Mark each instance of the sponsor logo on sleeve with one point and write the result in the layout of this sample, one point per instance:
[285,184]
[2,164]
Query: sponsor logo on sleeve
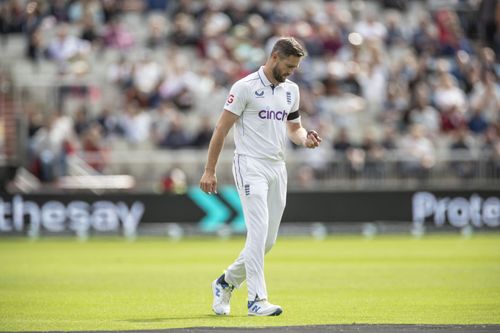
[230,99]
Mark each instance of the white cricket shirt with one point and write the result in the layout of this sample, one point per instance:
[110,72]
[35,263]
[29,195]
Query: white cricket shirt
[263,109]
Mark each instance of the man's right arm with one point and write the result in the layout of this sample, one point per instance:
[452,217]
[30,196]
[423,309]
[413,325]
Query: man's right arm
[208,182]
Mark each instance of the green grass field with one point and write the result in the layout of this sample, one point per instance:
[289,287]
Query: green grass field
[112,284]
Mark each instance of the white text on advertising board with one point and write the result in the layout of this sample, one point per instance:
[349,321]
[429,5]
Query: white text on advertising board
[457,211]
[55,216]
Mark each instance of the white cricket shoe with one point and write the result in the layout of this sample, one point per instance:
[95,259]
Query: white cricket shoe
[262,307]
[222,296]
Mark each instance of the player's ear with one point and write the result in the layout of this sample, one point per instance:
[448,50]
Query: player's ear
[275,56]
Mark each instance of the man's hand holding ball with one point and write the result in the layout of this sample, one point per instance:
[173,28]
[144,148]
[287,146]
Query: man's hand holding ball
[312,140]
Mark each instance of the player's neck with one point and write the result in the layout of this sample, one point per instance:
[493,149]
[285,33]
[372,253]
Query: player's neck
[269,75]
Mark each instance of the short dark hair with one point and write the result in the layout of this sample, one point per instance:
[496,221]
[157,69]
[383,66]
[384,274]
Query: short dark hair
[288,46]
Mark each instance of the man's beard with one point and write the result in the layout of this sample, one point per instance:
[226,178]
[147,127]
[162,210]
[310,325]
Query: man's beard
[277,75]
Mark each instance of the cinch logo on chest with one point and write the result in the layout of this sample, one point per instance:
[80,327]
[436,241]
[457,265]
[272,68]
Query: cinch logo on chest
[273,115]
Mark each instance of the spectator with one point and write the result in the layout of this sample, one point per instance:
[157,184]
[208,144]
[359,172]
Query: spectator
[490,140]
[36,48]
[33,17]
[374,156]
[396,103]
[120,73]
[35,121]
[447,94]
[487,22]
[50,146]
[177,136]
[465,71]
[110,123]
[477,122]
[373,80]
[419,153]
[156,5]
[176,86]
[330,39]
[117,36]
[394,33]
[202,138]
[184,32]
[65,46]
[425,37]
[318,160]
[452,119]
[161,119]
[371,29]
[90,10]
[111,9]
[175,181]
[89,31]
[485,97]
[146,76]
[423,113]
[389,138]
[81,120]
[487,59]
[356,158]
[157,32]
[340,106]
[136,124]
[450,34]
[342,143]
[94,148]
[59,10]
[66,49]
[462,164]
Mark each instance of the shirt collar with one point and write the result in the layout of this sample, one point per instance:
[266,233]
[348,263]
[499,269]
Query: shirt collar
[263,77]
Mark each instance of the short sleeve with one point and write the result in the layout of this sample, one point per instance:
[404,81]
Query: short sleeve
[296,103]
[294,116]
[237,99]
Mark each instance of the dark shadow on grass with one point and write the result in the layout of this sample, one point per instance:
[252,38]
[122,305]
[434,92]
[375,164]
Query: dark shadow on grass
[166,319]
[340,328]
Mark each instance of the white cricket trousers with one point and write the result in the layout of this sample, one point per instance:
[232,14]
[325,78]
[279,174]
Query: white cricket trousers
[261,186]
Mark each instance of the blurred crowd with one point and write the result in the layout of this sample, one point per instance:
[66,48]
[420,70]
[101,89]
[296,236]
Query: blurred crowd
[414,77]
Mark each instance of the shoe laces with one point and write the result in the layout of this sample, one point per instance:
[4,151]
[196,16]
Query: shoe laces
[261,302]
